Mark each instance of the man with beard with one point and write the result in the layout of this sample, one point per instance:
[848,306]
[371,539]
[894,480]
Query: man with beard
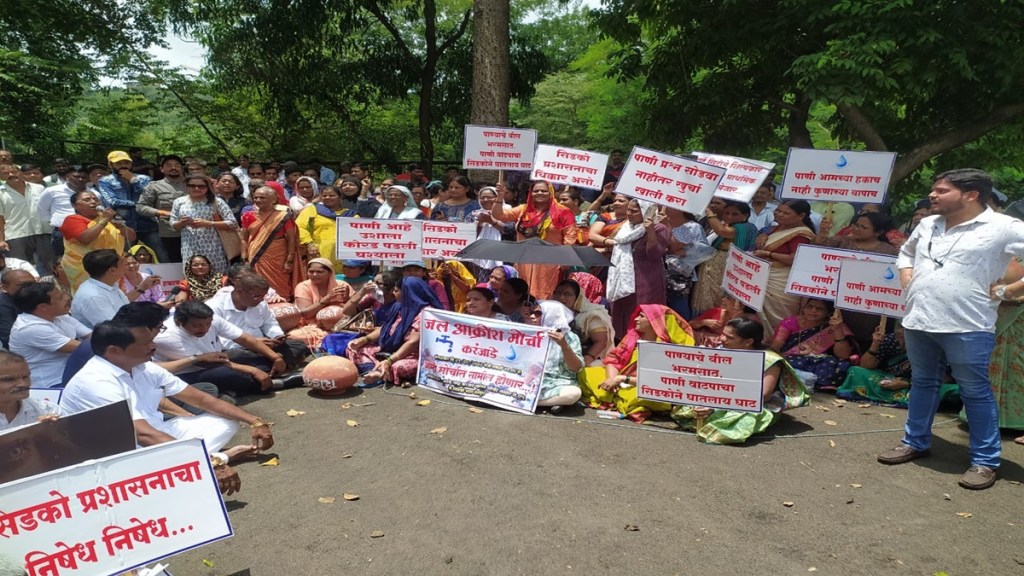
[121,190]
[155,203]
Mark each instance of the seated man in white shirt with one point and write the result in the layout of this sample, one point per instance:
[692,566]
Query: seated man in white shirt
[100,297]
[121,370]
[195,332]
[16,408]
[43,333]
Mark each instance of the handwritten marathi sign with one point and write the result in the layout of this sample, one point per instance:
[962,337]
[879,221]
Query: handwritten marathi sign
[500,363]
[569,166]
[837,175]
[490,148]
[444,240]
[746,278]
[109,516]
[872,287]
[715,378]
[384,239]
[669,180]
[815,271]
[742,176]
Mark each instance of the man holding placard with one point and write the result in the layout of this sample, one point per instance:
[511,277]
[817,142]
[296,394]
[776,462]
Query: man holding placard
[947,268]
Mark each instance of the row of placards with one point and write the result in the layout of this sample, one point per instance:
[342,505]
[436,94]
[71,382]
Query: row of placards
[400,241]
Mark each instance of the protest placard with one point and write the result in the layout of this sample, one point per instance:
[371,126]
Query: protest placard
[742,176]
[872,287]
[560,165]
[443,240]
[50,395]
[745,277]
[170,274]
[669,180]
[384,239]
[711,377]
[500,363]
[112,515]
[815,270]
[492,148]
[837,175]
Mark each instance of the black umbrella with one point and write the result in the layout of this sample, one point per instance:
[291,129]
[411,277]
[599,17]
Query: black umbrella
[533,251]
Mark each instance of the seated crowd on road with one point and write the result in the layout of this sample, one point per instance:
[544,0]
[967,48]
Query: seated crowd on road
[263,287]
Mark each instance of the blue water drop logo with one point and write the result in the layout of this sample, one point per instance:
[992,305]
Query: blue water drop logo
[511,353]
[842,161]
[889,274]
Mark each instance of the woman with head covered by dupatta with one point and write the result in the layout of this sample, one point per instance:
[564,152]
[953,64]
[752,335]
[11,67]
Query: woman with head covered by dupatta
[592,322]
[541,217]
[614,387]
[559,386]
[399,204]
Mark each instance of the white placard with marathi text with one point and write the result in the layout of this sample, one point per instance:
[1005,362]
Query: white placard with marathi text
[492,148]
[170,274]
[872,287]
[745,278]
[742,176]
[815,270]
[711,377]
[500,363]
[837,175]
[560,165]
[669,180]
[443,240]
[111,515]
[385,239]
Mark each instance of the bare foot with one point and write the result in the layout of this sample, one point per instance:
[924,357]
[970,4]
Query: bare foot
[236,452]
[1019,440]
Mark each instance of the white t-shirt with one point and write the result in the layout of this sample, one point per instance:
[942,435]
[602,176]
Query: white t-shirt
[55,204]
[256,320]
[38,340]
[175,343]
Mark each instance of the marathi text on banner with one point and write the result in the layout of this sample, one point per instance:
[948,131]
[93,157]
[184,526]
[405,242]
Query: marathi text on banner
[384,239]
[500,363]
[872,287]
[491,148]
[745,278]
[170,275]
[443,240]
[742,176]
[837,175]
[710,377]
[669,180]
[560,165]
[815,270]
[108,516]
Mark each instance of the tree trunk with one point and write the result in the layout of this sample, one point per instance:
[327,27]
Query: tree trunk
[799,134]
[491,68]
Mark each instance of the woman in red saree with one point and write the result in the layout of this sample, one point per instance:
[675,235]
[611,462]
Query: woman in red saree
[270,242]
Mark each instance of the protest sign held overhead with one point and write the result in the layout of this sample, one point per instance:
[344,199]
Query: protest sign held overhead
[560,165]
[714,378]
[837,175]
[491,148]
[745,278]
[815,270]
[742,176]
[872,287]
[669,180]
[384,239]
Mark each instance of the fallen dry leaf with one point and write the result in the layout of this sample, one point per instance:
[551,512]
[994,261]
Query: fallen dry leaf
[947,497]
[423,403]
[272,462]
[856,485]
[830,422]
[822,408]
[326,500]
[886,415]
[377,534]
[838,401]
[352,423]
[440,430]
[964,514]
[864,405]
[207,563]
[346,455]
[788,504]
[350,497]
[631,528]
[475,410]
[346,405]
[831,443]
[412,395]
[293,413]
[812,569]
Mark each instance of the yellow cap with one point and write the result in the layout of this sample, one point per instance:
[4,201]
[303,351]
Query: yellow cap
[118,156]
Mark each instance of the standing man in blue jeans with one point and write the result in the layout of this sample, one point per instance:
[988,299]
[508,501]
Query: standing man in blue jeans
[948,267]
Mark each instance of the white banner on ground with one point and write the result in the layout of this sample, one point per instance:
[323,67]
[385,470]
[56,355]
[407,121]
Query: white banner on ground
[111,515]
[170,274]
[500,363]
[669,180]
[742,176]
[872,287]
[837,175]
[746,278]
[815,270]
[383,239]
[491,148]
[714,378]
[443,240]
[560,165]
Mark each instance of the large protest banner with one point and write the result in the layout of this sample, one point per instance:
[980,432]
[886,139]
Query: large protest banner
[444,240]
[560,165]
[669,180]
[711,377]
[170,274]
[837,175]
[872,287]
[384,239]
[491,148]
[742,176]
[745,278]
[108,516]
[500,363]
[815,270]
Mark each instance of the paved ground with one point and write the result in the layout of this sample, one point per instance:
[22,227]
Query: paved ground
[500,493]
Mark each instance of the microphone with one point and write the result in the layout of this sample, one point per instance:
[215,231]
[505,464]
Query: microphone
[174,292]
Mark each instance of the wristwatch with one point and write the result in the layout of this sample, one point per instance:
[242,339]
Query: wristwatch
[1001,292]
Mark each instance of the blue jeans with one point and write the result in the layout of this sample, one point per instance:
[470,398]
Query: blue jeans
[968,355]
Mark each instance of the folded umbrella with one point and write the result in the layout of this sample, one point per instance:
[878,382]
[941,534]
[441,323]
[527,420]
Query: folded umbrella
[533,251]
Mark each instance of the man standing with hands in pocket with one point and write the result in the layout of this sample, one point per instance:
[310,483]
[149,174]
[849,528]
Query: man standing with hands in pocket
[947,268]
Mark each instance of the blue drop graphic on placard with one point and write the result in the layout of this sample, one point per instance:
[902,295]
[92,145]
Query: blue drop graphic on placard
[842,161]
[511,353]
[889,274]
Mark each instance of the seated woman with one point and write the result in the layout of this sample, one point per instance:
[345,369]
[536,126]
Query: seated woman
[512,295]
[707,328]
[884,373]
[782,390]
[456,279]
[143,254]
[313,295]
[592,324]
[139,286]
[200,283]
[498,276]
[560,385]
[614,387]
[816,341]
[391,353]
[480,303]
